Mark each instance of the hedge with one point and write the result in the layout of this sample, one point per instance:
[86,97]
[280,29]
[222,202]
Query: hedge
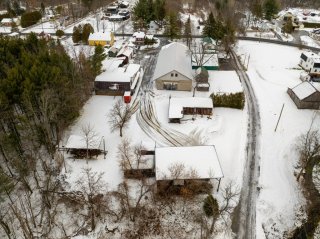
[30,18]
[232,100]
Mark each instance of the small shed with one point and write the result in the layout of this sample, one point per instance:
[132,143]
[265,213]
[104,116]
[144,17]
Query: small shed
[178,107]
[79,146]
[306,95]
[126,52]
[178,166]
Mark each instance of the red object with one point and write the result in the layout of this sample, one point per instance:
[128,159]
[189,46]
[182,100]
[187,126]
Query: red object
[127,97]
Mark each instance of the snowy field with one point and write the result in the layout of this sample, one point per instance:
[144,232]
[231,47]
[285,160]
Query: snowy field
[271,71]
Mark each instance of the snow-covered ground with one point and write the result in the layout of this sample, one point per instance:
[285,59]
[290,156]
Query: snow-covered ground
[308,41]
[271,71]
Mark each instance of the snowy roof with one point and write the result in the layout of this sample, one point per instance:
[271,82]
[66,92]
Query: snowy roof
[100,36]
[208,59]
[119,74]
[174,56]
[176,105]
[200,162]
[112,64]
[310,54]
[79,142]
[126,51]
[304,89]
[139,34]
[9,20]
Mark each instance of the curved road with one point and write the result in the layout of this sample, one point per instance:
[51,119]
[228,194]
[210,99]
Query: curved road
[245,220]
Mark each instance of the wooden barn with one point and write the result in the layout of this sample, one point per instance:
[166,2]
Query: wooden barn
[179,107]
[193,166]
[306,95]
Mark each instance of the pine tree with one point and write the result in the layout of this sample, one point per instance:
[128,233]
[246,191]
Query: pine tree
[96,60]
[271,7]
[172,28]
[77,34]
[187,32]
[209,26]
[159,11]
[86,30]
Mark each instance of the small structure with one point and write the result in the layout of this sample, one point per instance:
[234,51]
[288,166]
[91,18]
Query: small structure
[139,37]
[118,80]
[113,51]
[127,53]
[178,107]
[112,8]
[310,62]
[127,97]
[9,22]
[125,14]
[78,146]
[123,4]
[173,69]
[208,61]
[209,44]
[306,95]
[179,166]
[101,38]
[202,79]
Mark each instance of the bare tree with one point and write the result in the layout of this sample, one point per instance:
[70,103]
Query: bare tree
[119,116]
[130,156]
[214,211]
[93,188]
[89,136]
[308,146]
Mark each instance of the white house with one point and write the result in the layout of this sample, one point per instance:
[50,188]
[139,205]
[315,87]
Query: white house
[173,69]
[310,62]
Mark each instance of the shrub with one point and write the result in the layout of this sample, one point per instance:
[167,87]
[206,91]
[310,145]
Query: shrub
[59,33]
[211,206]
[232,100]
[30,18]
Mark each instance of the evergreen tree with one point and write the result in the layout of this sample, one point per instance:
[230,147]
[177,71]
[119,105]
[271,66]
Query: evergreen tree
[211,206]
[288,26]
[77,34]
[187,32]
[172,26]
[159,11]
[209,27]
[256,8]
[86,30]
[96,60]
[271,7]
[140,10]
[43,8]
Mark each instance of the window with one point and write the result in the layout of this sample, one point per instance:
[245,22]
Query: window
[304,57]
[171,74]
[176,75]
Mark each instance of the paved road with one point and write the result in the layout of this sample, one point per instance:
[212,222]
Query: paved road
[246,218]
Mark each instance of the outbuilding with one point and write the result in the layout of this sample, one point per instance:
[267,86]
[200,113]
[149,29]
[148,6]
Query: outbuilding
[179,166]
[173,69]
[306,95]
[208,61]
[179,107]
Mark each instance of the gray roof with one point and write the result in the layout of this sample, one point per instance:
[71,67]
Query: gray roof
[174,56]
